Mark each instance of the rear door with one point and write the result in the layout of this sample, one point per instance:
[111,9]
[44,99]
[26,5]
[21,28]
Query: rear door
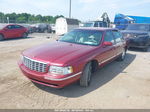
[108,52]
[18,31]
[119,41]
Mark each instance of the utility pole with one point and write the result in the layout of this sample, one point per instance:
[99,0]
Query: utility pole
[8,20]
[70,9]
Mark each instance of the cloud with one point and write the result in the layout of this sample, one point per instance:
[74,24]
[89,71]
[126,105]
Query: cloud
[81,9]
[43,7]
[141,2]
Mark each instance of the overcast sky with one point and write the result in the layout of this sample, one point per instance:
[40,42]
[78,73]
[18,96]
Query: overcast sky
[81,9]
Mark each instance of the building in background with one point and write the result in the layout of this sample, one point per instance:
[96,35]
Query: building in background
[64,25]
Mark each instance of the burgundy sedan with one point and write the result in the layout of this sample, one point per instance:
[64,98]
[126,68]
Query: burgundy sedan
[74,57]
[12,31]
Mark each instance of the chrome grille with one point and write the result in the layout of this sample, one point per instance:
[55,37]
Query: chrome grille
[34,65]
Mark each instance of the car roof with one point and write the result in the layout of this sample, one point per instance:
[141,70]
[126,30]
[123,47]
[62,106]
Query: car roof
[96,28]
[13,24]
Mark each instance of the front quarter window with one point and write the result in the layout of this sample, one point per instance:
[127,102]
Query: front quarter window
[84,37]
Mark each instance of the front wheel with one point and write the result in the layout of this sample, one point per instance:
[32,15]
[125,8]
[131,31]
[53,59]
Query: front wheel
[86,75]
[24,35]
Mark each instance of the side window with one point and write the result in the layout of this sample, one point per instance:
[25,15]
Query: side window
[10,27]
[17,26]
[96,24]
[118,36]
[109,37]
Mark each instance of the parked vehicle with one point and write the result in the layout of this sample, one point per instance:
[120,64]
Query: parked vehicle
[74,57]
[42,28]
[30,28]
[122,21]
[138,35]
[12,31]
[49,28]
[53,28]
[95,24]
[102,21]
[34,27]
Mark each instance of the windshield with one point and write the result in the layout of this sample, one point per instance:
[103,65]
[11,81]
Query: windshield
[139,27]
[88,25]
[84,37]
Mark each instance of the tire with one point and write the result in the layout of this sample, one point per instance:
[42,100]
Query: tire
[24,35]
[122,56]
[86,75]
[1,37]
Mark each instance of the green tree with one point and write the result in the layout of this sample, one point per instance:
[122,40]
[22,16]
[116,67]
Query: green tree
[2,17]
[21,19]
[28,18]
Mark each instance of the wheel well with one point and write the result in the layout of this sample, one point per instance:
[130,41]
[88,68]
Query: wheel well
[126,48]
[94,65]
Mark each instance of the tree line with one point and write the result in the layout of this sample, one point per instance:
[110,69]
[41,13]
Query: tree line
[27,18]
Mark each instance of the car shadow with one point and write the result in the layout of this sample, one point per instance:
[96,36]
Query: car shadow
[100,78]
[14,39]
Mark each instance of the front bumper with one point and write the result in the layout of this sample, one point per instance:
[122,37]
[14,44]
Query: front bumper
[48,79]
[138,43]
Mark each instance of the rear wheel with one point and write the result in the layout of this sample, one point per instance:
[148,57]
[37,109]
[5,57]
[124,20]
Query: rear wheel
[24,35]
[86,75]
[1,37]
[122,56]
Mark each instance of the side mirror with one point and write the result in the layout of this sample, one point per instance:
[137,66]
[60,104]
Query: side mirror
[107,43]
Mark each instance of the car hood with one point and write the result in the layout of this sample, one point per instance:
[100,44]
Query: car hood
[134,32]
[57,52]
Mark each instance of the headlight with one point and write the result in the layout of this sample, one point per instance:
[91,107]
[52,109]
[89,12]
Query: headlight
[61,70]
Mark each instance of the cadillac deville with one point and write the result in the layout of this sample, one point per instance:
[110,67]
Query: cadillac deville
[74,57]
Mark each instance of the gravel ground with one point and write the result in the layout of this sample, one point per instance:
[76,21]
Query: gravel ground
[118,85]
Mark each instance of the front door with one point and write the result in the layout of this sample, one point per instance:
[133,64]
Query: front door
[9,31]
[108,52]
